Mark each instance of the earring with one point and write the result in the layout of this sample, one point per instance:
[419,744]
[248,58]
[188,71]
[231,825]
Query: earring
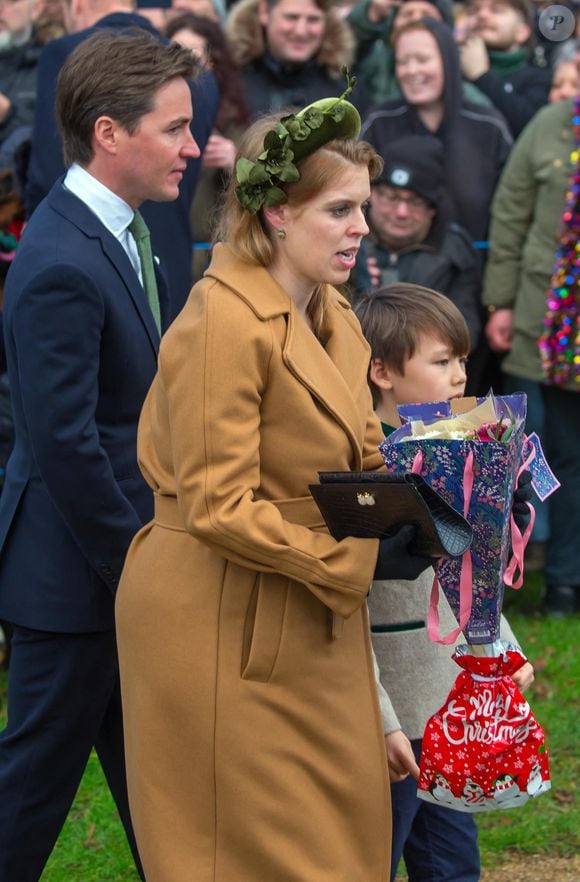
[281,234]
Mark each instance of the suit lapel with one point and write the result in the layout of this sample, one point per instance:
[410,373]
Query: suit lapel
[68,205]
[120,261]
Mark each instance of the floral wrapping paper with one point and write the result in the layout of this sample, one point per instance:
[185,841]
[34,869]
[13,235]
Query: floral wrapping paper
[484,749]
[495,470]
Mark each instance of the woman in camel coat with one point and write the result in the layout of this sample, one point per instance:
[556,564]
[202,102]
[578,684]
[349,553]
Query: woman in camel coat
[254,740]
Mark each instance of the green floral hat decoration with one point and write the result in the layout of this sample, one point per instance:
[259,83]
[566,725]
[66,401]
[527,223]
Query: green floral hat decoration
[294,138]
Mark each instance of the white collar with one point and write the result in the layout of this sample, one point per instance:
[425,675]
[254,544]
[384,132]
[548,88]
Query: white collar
[113,212]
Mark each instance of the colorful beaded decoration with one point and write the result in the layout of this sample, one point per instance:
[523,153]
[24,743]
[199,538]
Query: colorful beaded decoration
[560,341]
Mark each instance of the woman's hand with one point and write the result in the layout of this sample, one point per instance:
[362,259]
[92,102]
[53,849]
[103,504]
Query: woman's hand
[396,560]
[400,757]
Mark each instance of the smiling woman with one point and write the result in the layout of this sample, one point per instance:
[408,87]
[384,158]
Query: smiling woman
[474,138]
[254,740]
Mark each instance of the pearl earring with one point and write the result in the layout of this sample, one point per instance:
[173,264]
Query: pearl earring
[281,234]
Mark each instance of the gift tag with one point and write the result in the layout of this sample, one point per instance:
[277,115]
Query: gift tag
[544,481]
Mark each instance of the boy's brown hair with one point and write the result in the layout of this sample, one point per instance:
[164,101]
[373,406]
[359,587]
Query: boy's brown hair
[394,317]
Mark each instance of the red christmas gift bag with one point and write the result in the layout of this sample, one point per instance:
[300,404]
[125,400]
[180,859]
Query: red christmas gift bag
[484,749]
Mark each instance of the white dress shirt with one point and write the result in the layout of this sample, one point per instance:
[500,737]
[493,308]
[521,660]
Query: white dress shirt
[113,212]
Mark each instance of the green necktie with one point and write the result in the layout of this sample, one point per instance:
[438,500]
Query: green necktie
[140,232]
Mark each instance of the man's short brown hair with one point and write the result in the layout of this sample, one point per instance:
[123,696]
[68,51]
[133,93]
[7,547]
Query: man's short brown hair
[113,74]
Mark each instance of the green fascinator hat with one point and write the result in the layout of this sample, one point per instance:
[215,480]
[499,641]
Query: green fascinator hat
[293,139]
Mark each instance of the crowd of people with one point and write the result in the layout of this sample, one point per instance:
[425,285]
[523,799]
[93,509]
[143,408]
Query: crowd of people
[168,591]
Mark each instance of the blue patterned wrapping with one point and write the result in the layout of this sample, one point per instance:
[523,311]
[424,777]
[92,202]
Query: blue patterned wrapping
[495,469]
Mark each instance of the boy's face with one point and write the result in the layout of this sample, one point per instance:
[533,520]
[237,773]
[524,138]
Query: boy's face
[431,374]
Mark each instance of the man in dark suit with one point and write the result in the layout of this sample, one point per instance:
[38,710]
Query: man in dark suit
[83,309]
[168,223]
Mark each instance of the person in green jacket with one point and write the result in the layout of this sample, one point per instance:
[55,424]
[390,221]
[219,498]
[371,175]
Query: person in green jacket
[526,219]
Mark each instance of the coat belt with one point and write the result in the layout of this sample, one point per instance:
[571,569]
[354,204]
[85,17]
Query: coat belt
[302,511]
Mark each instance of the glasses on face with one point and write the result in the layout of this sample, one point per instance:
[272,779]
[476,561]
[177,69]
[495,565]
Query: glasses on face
[396,197]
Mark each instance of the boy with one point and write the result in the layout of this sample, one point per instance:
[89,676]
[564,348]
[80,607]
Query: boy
[419,345]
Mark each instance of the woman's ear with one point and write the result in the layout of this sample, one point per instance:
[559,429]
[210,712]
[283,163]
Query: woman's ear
[380,374]
[275,216]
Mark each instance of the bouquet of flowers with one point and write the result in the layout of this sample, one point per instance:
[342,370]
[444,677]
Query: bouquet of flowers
[472,452]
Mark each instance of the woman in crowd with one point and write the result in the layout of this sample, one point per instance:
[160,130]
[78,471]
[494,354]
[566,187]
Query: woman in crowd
[565,79]
[253,731]
[476,139]
[208,43]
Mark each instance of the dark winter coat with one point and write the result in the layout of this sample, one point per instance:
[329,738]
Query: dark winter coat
[517,94]
[18,82]
[270,85]
[453,268]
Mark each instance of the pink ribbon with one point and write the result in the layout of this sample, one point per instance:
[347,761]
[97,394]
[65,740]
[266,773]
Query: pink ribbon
[520,540]
[466,579]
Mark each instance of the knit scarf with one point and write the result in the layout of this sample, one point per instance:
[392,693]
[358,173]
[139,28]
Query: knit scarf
[506,63]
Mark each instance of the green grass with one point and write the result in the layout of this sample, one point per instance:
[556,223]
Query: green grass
[550,824]
[92,846]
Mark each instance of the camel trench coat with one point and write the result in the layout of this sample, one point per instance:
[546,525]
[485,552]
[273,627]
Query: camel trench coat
[254,743]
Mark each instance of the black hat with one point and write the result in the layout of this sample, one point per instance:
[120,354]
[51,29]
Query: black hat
[416,163]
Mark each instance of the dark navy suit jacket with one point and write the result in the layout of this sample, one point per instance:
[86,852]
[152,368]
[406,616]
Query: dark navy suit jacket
[168,222]
[81,347]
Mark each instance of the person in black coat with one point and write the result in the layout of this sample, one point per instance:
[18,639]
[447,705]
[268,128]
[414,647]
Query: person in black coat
[168,223]
[83,313]
[291,53]
[412,238]
[20,48]
[496,56]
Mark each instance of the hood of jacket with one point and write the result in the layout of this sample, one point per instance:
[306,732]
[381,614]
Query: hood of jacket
[247,41]
[452,80]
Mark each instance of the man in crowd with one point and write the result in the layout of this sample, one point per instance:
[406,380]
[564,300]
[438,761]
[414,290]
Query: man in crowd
[169,223]
[496,57]
[412,239]
[84,308]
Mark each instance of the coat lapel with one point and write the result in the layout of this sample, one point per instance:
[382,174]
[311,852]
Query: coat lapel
[71,207]
[333,373]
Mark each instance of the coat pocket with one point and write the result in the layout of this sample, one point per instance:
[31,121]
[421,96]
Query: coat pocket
[263,627]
